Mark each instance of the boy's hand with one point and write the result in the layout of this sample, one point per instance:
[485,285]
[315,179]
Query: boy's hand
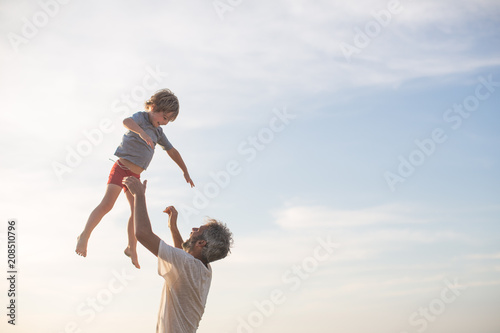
[131,125]
[147,139]
[188,179]
[135,186]
[172,216]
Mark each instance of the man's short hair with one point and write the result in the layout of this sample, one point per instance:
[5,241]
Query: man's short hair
[219,240]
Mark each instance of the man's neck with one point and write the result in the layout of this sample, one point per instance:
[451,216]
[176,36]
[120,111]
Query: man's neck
[199,257]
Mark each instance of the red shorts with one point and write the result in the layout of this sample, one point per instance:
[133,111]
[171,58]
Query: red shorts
[118,172]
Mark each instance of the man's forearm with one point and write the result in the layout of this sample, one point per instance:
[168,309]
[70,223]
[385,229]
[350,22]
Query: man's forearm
[143,230]
[141,218]
[142,225]
[176,236]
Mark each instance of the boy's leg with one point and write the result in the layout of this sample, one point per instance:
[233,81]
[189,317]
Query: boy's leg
[107,202]
[131,250]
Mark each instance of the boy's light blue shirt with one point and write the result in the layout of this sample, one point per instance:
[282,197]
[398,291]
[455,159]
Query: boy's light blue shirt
[135,149]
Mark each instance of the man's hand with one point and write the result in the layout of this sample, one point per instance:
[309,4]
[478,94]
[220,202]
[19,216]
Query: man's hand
[135,186]
[188,179]
[172,225]
[172,216]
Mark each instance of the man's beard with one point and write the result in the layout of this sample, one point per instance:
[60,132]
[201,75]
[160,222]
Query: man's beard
[188,244]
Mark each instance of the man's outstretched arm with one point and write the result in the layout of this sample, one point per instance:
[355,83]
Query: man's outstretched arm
[143,230]
[172,224]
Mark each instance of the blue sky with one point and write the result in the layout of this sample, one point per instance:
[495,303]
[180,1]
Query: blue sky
[289,140]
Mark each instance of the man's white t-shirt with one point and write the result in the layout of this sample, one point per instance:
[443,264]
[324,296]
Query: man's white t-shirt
[184,295]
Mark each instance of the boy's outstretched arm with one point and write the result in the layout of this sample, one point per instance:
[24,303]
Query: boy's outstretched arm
[172,225]
[143,230]
[131,125]
[176,156]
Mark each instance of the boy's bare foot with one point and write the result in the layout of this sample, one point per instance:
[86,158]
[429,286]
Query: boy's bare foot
[132,254]
[81,246]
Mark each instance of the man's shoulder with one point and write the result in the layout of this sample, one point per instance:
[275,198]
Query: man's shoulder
[167,251]
[175,256]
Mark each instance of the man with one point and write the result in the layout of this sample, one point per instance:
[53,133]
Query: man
[185,267]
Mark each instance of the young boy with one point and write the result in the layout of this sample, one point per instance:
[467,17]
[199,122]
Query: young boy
[134,155]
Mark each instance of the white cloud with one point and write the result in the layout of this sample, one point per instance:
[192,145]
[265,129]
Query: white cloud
[484,256]
[303,226]
[299,217]
[404,285]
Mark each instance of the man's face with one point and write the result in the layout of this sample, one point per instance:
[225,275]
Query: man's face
[195,235]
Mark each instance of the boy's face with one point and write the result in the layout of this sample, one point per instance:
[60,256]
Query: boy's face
[161,118]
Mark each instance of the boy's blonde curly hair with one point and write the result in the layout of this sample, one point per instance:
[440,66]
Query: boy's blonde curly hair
[163,101]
